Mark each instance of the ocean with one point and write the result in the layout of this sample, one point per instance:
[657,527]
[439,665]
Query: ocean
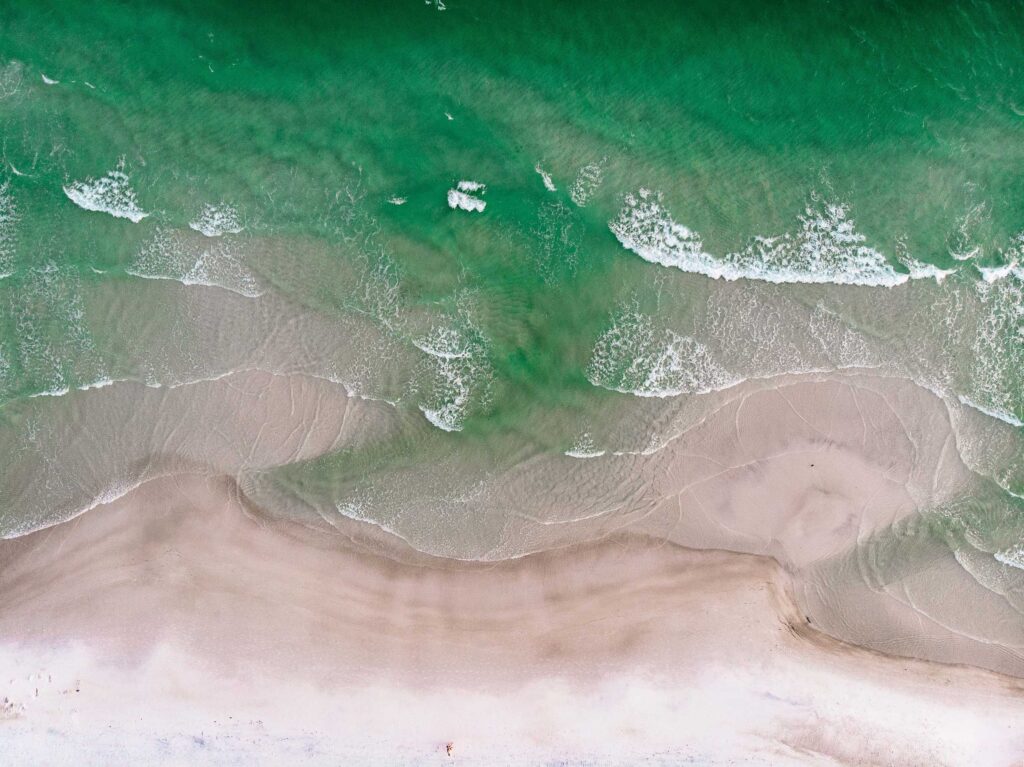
[536,234]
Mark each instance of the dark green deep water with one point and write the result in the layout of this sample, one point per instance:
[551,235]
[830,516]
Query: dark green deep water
[872,141]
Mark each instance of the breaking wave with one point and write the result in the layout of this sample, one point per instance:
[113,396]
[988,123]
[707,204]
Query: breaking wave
[111,194]
[825,248]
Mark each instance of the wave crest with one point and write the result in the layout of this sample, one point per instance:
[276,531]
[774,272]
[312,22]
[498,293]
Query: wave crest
[111,194]
[825,248]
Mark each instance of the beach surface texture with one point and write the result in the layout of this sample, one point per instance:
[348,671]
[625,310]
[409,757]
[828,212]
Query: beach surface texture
[538,383]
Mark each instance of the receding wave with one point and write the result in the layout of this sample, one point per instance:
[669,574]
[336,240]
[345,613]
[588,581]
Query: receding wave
[459,373]
[179,256]
[636,357]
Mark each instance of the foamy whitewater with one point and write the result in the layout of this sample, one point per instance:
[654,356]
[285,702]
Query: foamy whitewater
[584,447]
[588,179]
[112,194]
[464,197]
[826,248]
[217,220]
[459,373]
[636,357]
[8,218]
[918,270]
[549,184]
[172,255]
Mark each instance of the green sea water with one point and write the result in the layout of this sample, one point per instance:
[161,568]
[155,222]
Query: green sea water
[737,190]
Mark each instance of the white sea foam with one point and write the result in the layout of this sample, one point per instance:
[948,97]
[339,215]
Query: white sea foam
[59,391]
[111,494]
[919,270]
[460,373]
[826,248]
[194,261]
[644,227]
[445,343]
[998,348]
[1013,263]
[1013,557]
[356,510]
[636,357]
[966,254]
[397,200]
[459,200]
[588,179]
[963,245]
[110,194]
[217,220]
[8,219]
[471,186]
[584,447]
[100,383]
[449,416]
[49,81]
[994,273]
[546,178]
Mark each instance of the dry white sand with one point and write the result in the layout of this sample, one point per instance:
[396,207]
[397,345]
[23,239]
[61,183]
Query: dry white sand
[173,626]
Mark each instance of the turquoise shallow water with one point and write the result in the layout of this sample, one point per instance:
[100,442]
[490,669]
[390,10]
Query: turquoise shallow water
[677,198]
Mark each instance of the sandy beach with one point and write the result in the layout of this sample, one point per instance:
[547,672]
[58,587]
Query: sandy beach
[534,383]
[177,625]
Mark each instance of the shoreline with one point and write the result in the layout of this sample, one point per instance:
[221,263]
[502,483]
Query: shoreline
[234,635]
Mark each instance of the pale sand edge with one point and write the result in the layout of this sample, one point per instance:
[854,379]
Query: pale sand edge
[172,625]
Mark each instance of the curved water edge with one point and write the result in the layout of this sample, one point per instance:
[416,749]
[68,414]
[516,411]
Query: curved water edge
[654,518]
[756,292]
[585,448]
